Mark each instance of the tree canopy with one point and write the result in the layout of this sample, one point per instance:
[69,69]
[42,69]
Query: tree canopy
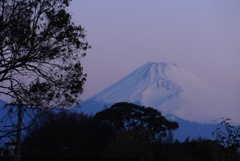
[134,118]
[65,134]
[40,52]
[40,60]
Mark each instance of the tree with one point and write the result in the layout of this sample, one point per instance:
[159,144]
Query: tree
[228,137]
[66,134]
[40,52]
[135,119]
[136,128]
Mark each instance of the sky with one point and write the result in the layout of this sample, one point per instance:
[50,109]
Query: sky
[201,36]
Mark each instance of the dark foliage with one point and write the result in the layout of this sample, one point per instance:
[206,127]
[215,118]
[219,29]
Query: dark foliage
[228,138]
[138,120]
[72,135]
[66,135]
[135,127]
[194,150]
[75,135]
[40,51]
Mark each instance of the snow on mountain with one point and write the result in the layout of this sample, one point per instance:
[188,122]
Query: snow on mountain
[172,90]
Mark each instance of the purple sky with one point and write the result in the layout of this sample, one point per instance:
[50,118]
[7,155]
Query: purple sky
[201,36]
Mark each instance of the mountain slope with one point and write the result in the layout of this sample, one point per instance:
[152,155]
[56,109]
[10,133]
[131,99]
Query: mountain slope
[172,90]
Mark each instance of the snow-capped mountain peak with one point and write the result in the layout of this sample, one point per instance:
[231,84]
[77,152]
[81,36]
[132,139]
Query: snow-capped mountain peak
[172,90]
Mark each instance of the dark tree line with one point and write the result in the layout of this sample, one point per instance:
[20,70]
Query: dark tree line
[65,134]
[79,135]
[74,135]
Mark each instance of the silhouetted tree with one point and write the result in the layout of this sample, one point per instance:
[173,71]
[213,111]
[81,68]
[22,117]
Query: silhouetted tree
[40,52]
[69,134]
[197,150]
[228,137]
[136,119]
[136,128]
[66,134]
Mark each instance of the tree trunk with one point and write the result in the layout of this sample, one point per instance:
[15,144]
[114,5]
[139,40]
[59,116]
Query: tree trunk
[19,132]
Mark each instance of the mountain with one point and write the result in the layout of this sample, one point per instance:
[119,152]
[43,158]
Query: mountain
[172,90]
[179,95]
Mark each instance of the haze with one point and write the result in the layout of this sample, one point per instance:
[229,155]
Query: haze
[201,36]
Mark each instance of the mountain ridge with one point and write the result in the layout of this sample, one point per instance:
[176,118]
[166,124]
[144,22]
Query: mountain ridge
[170,89]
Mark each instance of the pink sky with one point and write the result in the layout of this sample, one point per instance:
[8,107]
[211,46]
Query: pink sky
[201,36]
